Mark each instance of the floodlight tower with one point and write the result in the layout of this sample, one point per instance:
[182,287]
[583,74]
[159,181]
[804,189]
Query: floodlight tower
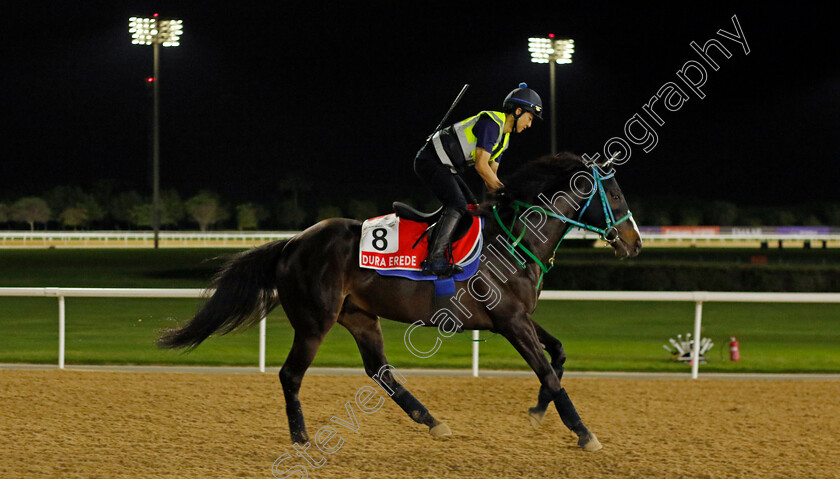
[552,51]
[155,32]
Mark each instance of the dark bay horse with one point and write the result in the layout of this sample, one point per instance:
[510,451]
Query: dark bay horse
[316,278]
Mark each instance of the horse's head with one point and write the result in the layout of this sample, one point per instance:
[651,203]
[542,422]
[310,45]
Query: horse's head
[582,195]
[607,211]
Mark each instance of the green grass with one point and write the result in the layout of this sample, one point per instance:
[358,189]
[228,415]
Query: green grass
[598,336]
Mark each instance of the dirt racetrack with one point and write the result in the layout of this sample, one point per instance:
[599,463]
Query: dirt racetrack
[73,424]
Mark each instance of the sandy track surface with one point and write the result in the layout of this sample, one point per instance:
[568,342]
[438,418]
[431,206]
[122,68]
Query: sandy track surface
[73,424]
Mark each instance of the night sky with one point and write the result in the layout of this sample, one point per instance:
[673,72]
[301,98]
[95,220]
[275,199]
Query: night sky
[343,96]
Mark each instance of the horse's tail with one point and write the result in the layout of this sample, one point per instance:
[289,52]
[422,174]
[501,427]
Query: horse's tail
[245,291]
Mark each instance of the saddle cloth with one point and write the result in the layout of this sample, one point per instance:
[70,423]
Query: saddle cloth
[388,243]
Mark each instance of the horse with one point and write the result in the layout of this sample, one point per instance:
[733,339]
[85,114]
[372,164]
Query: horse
[315,276]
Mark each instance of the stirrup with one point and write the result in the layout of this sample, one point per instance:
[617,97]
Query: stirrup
[440,268]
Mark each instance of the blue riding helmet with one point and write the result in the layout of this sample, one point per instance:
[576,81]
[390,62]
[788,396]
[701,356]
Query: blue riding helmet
[525,98]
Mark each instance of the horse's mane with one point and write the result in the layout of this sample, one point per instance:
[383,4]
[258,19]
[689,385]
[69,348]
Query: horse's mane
[549,173]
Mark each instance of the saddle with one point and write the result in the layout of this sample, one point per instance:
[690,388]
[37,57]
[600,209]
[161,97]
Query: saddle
[400,240]
[405,211]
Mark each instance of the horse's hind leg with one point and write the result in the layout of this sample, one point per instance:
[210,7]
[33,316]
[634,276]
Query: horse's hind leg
[303,351]
[312,319]
[367,332]
[555,349]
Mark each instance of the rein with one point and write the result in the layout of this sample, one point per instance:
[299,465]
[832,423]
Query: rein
[609,233]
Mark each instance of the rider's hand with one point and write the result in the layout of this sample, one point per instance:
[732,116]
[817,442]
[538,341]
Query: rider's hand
[494,184]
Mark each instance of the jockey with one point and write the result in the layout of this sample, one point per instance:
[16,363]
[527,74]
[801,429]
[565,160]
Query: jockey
[478,141]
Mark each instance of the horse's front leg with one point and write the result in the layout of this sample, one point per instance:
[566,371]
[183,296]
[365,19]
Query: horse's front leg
[521,333]
[554,348]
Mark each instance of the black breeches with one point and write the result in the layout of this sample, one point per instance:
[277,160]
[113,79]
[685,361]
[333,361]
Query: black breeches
[442,182]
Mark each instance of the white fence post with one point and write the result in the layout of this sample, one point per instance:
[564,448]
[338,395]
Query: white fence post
[475,353]
[262,345]
[695,353]
[61,327]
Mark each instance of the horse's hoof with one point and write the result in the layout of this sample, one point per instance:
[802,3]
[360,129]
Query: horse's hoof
[536,415]
[589,443]
[441,430]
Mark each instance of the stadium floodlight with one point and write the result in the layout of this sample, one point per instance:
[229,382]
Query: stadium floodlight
[147,31]
[155,31]
[552,51]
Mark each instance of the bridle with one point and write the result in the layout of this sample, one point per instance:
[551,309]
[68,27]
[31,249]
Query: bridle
[608,233]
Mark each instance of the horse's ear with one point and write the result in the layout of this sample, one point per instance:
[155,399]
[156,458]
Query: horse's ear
[595,162]
[606,164]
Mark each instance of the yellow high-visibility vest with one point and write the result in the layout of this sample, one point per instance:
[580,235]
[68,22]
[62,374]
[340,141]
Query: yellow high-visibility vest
[455,145]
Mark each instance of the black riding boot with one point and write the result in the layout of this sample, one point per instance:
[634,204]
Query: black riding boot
[438,262]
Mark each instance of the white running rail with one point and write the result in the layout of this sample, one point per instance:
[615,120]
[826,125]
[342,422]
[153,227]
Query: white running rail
[697,297]
[246,238]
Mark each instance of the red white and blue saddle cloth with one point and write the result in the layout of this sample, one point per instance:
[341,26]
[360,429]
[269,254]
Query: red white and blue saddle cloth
[390,245]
